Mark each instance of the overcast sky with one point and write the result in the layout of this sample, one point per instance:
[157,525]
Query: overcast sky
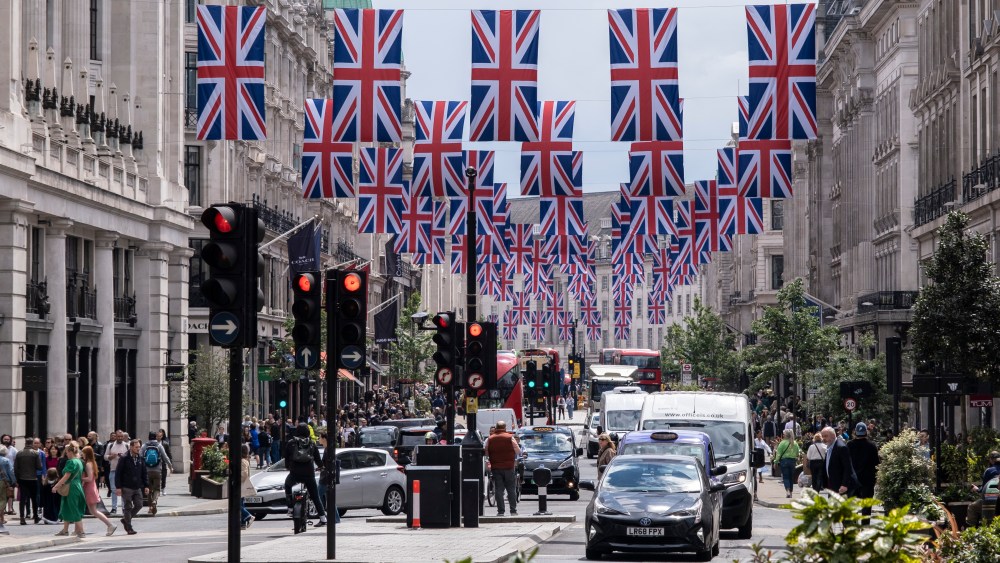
[573,65]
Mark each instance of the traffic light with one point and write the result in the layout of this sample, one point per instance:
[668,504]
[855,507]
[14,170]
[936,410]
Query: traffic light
[307,292]
[350,318]
[531,378]
[311,386]
[481,355]
[547,380]
[444,338]
[234,264]
[281,393]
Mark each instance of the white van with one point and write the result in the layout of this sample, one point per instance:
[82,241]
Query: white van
[725,417]
[621,409]
[485,418]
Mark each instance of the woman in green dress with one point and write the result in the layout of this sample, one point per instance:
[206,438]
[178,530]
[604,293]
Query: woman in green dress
[72,506]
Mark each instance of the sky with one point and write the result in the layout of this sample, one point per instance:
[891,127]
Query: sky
[573,65]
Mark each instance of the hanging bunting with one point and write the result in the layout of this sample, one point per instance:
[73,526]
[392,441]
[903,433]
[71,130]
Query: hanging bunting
[327,166]
[416,217]
[546,165]
[438,158]
[765,168]
[380,190]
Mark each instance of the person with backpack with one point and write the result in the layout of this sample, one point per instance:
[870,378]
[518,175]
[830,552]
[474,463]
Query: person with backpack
[264,450]
[302,458]
[154,456]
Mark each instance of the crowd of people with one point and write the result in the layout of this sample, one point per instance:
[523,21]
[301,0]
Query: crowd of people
[57,480]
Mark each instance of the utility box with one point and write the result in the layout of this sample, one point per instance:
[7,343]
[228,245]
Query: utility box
[435,495]
[450,456]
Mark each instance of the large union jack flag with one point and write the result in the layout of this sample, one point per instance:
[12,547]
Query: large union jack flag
[367,74]
[231,73]
[438,158]
[765,168]
[380,190]
[504,91]
[546,165]
[656,168]
[652,215]
[656,312]
[782,49]
[327,166]
[561,215]
[438,233]
[645,104]
[520,244]
[416,217]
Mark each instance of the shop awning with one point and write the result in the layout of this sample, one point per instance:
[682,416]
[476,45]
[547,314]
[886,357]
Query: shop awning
[344,374]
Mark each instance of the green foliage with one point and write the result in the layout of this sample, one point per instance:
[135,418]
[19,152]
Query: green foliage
[409,356]
[519,557]
[207,398]
[954,319]
[905,477]
[706,344]
[847,365]
[981,441]
[974,545]
[954,464]
[790,340]
[214,461]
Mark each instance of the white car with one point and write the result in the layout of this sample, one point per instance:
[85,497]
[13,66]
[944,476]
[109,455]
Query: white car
[369,478]
[591,427]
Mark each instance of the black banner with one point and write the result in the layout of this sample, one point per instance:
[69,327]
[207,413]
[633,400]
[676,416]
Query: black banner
[385,323]
[393,266]
[303,250]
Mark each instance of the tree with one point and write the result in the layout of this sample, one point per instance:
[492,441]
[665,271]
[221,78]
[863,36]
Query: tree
[707,344]
[954,318]
[410,354]
[847,365]
[207,398]
[790,341]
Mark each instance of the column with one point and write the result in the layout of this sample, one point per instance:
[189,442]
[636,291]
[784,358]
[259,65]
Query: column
[14,232]
[55,275]
[33,18]
[105,374]
[180,265]
[152,298]
[12,44]
[76,33]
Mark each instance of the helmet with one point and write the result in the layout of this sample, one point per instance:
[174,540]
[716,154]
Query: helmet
[430,436]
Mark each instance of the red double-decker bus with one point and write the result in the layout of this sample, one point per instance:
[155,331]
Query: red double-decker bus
[649,376]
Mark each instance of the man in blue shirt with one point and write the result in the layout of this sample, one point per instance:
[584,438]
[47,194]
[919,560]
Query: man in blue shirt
[975,511]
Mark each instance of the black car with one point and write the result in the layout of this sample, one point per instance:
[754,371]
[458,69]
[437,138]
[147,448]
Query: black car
[553,447]
[653,504]
[379,437]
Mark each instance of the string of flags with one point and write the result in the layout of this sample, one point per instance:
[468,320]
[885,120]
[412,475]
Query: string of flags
[652,217]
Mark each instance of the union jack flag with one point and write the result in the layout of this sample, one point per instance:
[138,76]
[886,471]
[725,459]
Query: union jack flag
[546,165]
[726,175]
[561,215]
[765,168]
[682,259]
[509,328]
[565,324]
[652,215]
[538,281]
[581,282]
[458,254]
[748,216]
[565,250]
[327,166]
[645,104]
[593,333]
[520,243]
[708,213]
[590,315]
[621,290]
[504,91]
[656,168]
[557,305]
[367,74]
[656,313]
[661,270]
[623,332]
[744,109]
[520,309]
[496,240]
[438,233]
[380,190]
[538,324]
[438,158]
[231,73]
[782,49]
[416,216]
[484,188]
[489,276]
[740,215]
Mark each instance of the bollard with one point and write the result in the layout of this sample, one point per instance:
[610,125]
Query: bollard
[416,505]
[542,476]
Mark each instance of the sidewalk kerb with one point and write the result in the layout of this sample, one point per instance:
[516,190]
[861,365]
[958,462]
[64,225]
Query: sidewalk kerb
[39,544]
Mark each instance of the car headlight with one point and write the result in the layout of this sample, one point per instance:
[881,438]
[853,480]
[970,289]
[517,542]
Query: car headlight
[733,478]
[693,510]
[601,508]
[567,463]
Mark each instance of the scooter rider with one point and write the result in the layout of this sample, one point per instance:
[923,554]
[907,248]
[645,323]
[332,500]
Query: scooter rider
[302,458]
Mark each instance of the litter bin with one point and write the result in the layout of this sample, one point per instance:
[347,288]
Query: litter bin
[435,495]
[450,456]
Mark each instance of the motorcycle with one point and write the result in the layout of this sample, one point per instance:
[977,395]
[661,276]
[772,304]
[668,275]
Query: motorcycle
[300,510]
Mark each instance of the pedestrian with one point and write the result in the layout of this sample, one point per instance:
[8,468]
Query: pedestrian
[561,407]
[815,456]
[790,424]
[8,442]
[865,460]
[264,439]
[570,404]
[114,451]
[303,457]
[50,499]
[154,455]
[132,481]
[787,453]
[7,483]
[27,464]
[606,452]
[326,477]
[975,512]
[90,476]
[502,453]
[40,472]
[840,476]
[770,427]
[246,488]
[74,502]
[221,436]
[760,442]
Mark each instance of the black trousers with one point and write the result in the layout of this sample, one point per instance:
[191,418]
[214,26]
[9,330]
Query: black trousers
[29,497]
[866,491]
[310,483]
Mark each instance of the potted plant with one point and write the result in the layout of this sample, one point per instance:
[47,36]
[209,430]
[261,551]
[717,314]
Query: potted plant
[213,485]
[906,477]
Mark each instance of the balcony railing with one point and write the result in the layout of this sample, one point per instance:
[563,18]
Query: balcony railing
[81,301]
[190,118]
[37,298]
[981,180]
[345,253]
[274,220]
[932,205]
[125,310]
[886,301]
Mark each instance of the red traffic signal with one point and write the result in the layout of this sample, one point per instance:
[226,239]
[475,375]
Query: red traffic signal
[475,330]
[442,320]
[304,282]
[352,282]
[220,219]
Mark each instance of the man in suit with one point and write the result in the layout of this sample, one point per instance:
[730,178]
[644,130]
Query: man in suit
[865,459]
[840,476]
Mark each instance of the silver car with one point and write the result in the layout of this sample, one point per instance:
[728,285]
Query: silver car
[369,478]
[593,446]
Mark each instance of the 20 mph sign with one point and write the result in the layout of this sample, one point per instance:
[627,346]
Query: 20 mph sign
[850,404]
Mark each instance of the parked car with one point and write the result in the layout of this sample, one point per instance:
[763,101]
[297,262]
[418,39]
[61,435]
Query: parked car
[369,478]
[553,447]
[653,504]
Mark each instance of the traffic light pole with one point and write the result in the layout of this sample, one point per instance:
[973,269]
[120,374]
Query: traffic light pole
[472,446]
[235,451]
[332,381]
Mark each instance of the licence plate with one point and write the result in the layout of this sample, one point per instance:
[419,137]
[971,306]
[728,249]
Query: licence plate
[254,500]
[635,531]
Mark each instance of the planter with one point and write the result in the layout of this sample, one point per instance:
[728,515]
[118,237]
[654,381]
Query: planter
[213,490]
[196,482]
[958,509]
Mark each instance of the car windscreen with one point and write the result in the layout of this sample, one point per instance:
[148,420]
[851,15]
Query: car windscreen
[546,442]
[728,437]
[621,420]
[412,439]
[382,437]
[642,362]
[663,448]
[652,476]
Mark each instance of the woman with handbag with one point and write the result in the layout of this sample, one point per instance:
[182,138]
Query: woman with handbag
[246,487]
[70,487]
[786,454]
[815,457]
[90,477]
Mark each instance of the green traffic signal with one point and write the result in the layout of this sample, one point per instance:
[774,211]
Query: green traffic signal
[531,383]
[282,404]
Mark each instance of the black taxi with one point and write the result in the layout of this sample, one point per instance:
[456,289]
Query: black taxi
[553,447]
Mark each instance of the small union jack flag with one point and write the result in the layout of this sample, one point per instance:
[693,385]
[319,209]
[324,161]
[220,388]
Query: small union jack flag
[744,118]
[538,281]
[565,250]
[656,312]
[565,325]
[538,325]
[622,289]
[593,333]
[380,190]
[782,52]
[327,166]
[590,315]
[645,101]
[416,216]
[520,309]
[708,213]
[547,164]
[561,215]
[504,91]
[765,168]
[682,258]
[231,73]
[489,276]
[520,244]
[656,168]
[727,173]
[661,270]
[484,188]
[557,305]
[367,74]
[622,333]
[437,237]
[652,215]
[509,327]
[438,158]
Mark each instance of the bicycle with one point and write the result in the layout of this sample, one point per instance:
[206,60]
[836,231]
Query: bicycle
[519,478]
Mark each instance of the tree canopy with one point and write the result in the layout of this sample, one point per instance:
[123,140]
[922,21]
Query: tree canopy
[409,356]
[707,344]
[207,398]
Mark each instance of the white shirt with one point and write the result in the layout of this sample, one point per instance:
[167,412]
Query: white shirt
[115,451]
[816,451]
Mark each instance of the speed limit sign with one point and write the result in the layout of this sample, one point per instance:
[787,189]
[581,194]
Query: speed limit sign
[850,404]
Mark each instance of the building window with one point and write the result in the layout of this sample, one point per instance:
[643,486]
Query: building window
[192,174]
[190,89]
[777,215]
[777,271]
[604,338]
[190,9]
[95,39]
[296,156]
[604,309]
[604,283]
[198,272]
[638,307]
[524,340]
[638,338]
[649,332]
[688,306]
[670,307]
